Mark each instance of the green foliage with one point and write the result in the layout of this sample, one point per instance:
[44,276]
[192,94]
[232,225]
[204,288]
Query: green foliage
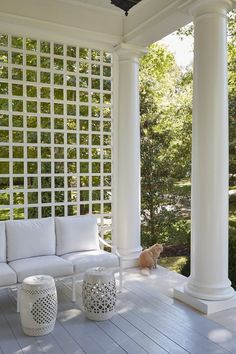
[165,146]
[232,257]
[232,27]
[185,269]
[232,103]
[158,73]
[42,134]
[188,31]
[175,264]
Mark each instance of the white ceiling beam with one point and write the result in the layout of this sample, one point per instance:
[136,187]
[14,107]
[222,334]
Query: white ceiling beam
[152,20]
[71,20]
[77,21]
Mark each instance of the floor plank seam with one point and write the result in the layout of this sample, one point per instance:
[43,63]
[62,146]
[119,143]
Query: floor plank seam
[146,320]
[163,334]
[216,344]
[183,324]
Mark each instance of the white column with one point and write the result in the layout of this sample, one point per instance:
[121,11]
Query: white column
[209,239]
[127,168]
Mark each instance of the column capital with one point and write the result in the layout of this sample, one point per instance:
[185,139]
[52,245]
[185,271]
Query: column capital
[129,51]
[204,7]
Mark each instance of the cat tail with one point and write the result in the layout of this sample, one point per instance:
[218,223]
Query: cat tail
[145,271]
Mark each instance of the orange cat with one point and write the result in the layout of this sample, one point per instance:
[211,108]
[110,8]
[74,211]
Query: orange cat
[148,257]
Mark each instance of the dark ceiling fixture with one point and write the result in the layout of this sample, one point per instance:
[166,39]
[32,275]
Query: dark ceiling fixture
[125,4]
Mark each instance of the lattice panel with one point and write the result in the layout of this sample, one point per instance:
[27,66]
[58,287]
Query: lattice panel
[55,129]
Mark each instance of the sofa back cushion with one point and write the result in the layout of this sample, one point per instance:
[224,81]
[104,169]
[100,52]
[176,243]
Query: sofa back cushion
[29,238]
[76,233]
[2,242]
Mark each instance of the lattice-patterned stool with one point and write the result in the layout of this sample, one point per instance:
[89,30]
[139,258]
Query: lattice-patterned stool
[38,305]
[99,293]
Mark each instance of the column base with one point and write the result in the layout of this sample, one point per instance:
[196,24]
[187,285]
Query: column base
[222,292]
[206,306]
[130,258]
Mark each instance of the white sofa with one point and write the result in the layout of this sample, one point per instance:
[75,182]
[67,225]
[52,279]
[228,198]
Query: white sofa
[63,247]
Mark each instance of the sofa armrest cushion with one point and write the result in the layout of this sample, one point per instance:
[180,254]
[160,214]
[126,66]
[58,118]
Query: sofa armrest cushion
[30,238]
[76,233]
[2,242]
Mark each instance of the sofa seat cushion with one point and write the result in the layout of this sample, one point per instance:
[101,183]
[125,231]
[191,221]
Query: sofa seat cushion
[84,260]
[76,233]
[47,265]
[30,238]
[7,275]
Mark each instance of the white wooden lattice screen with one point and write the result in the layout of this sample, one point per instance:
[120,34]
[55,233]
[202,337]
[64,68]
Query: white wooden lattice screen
[55,129]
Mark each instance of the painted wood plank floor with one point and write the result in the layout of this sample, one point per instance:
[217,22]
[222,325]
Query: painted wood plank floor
[147,320]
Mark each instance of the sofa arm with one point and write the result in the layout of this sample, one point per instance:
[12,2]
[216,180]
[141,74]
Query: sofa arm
[102,241]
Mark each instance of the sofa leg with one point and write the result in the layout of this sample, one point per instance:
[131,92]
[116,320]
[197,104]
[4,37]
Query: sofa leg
[120,277]
[18,294]
[73,290]
[120,282]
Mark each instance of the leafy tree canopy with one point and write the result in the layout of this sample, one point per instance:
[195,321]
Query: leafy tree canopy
[166,110]
[165,95]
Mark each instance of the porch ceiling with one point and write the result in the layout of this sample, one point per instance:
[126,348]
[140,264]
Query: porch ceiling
[95,20]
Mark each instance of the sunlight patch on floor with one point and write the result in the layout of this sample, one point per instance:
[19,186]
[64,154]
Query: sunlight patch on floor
[68,315]
[219,335]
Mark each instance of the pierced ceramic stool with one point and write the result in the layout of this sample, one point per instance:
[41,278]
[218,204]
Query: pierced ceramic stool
[99,293]
[38,305]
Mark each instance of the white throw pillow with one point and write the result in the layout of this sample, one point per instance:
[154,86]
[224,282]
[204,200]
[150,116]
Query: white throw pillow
[29,238]
[2,242]
[76,233]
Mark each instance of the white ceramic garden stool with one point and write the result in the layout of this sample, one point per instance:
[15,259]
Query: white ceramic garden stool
[38,305]
[99,293]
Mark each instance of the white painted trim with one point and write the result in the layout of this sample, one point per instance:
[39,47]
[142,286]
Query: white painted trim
[203,6]
[128,166]
[154,28]
[148,21]
[207,307]
[129,52]
[104,198]
[184,4]
[114,11]
[155,16]
[129,262]
[115,146]
[39,29]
